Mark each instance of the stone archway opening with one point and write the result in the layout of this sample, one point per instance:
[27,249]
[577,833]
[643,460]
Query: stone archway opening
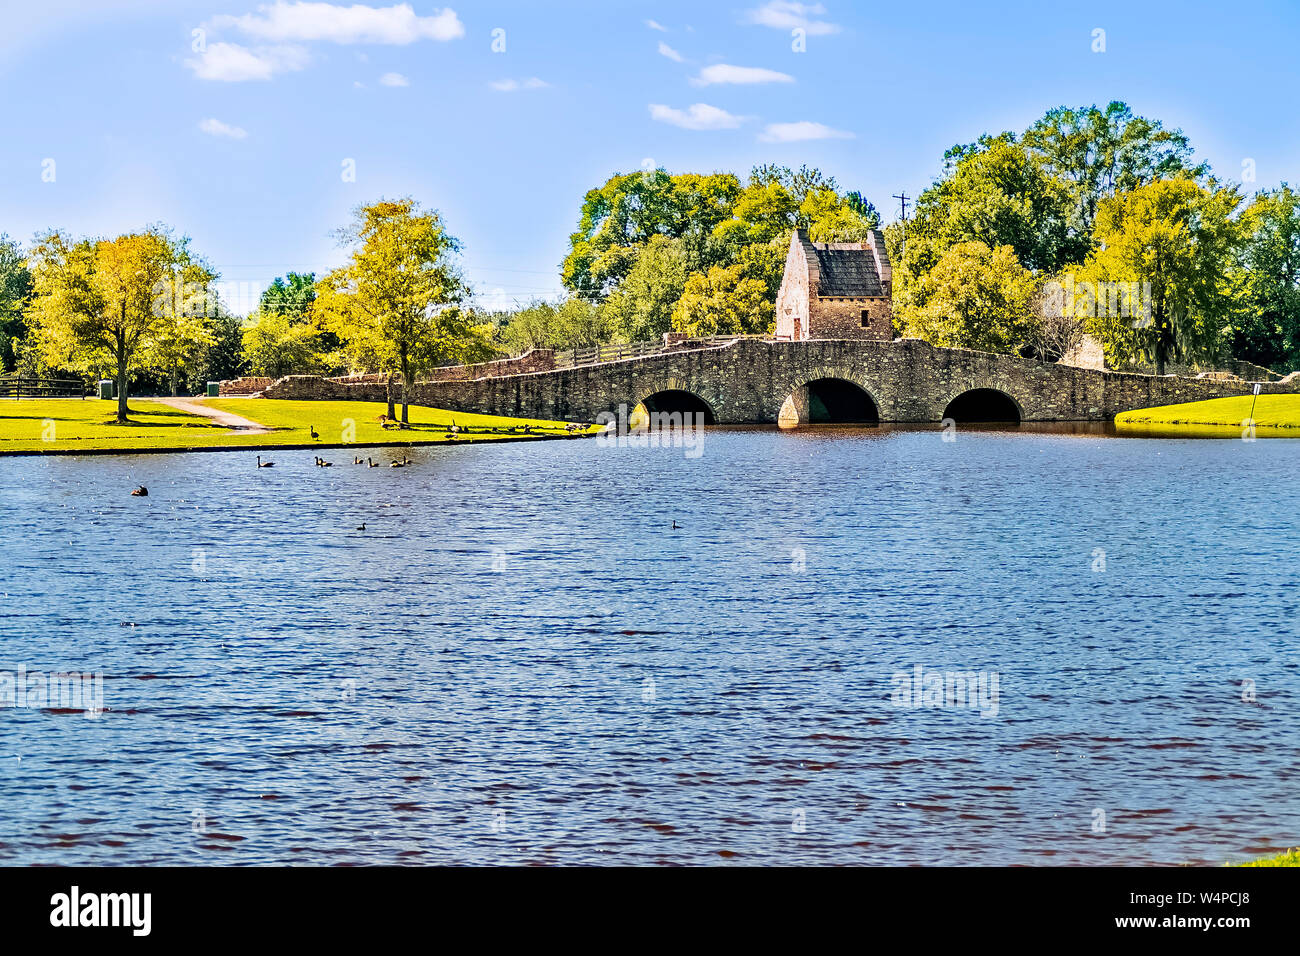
[983,405]
[828,400]
[669,408]
[840,402]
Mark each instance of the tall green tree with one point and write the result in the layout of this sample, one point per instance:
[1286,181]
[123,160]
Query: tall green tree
[398,297]
[1101,152]
[291,295]
[619,218]
[723,302]
[640,309]
[975,298]
[1266,326]
[999,193]
[15,291]
[284,336]
[274,345]
[97,300]
[1178,241]
[570,323]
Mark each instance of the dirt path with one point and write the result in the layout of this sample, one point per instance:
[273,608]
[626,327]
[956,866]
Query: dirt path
[234,422]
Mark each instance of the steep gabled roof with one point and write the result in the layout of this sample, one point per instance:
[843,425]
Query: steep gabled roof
[847,269]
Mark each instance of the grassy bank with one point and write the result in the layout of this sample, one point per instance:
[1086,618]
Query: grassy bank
[1274,415]
[70,425]
[1289,858]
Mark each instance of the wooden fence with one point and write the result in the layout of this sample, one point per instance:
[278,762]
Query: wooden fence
[17,386]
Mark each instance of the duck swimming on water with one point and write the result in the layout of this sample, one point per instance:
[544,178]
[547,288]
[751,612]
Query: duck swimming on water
[141,492]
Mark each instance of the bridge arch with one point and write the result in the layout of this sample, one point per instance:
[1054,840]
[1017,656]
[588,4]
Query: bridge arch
[672,401]
[673,395]
[983,405]
[828,395]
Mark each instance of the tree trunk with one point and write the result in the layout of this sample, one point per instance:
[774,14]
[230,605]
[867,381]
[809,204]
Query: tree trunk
[1161,332]
[406,386]
[175,380]
[388,393]
[121,376]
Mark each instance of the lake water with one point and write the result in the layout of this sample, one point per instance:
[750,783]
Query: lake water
[520,660]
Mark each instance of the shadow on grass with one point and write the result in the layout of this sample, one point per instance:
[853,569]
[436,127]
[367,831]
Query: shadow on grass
[194,420]
[129,423]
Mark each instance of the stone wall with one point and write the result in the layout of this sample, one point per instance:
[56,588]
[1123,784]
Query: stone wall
[792,297]
[315,388]
[802,312]
[244,386]
[534,360]
[841,318]
[748,381]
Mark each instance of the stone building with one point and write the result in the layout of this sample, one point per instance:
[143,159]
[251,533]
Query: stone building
[835,290]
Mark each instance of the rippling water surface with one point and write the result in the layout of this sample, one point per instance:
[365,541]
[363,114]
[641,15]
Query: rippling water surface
[520,661]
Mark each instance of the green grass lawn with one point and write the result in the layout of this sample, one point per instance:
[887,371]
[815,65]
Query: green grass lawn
[71,425]
[1273,414]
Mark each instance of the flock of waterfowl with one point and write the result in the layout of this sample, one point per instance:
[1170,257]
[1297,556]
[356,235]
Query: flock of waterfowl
[454,429]
[404,461]
[322,463]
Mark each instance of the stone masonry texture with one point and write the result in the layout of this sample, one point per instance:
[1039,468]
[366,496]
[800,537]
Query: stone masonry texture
[749,380]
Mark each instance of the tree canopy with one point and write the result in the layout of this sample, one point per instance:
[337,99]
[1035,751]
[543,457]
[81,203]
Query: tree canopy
[1113,207]
[642,237]
[114,301]
[396,302]
[1176,240]
[15,291]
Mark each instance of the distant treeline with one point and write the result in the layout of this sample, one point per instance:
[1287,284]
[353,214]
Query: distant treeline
[1092,221]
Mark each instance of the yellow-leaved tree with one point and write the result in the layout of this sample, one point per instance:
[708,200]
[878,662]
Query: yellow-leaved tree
[98,300]
[396,303]
[1172,244]
[723,302]
[974,298]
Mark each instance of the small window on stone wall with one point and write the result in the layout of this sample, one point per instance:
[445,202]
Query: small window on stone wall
[866,318]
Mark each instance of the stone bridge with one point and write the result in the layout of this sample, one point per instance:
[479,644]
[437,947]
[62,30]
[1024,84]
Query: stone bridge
[792,383]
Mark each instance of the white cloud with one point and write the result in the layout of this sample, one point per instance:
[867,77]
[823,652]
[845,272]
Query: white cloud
[666,50]
[512,86]
[397,25]
[656,26]
[725,73]
[800,132]
[214,127]
[787,15]
[394,79]
[698,116]
[232,63]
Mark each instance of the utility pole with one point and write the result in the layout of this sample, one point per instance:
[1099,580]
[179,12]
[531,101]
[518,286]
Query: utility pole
[902,197]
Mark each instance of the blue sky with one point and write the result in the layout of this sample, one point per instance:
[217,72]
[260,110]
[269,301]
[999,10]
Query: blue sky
[242,143]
